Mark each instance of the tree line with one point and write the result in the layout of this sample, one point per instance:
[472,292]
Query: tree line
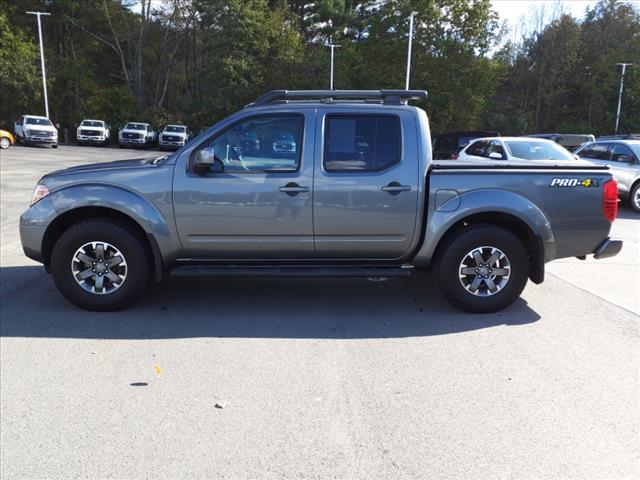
[196,61]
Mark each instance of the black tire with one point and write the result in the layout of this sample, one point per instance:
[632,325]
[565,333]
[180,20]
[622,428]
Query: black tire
[55,145]
[138,264]
[634,197]
[449,262]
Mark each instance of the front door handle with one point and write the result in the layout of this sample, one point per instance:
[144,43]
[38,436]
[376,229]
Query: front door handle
[394,188]
[292,189]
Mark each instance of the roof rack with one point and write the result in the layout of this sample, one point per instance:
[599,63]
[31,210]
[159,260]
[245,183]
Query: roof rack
[393,97]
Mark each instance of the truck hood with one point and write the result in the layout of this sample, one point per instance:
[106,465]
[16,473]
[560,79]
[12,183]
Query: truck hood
[106,166]
[46,128]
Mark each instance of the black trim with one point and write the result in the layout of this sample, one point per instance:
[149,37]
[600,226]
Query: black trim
[536,260]
[158,267]
[395,97]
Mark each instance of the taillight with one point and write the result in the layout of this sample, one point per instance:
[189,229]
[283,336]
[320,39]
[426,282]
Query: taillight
[610,200]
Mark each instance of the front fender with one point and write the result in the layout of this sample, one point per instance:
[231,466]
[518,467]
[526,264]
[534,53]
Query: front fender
[447,208]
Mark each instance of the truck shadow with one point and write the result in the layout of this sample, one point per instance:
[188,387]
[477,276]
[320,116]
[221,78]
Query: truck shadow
[249,308]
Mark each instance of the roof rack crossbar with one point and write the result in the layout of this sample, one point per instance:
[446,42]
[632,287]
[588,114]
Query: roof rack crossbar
[395,97]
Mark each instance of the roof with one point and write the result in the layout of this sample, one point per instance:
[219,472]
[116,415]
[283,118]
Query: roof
[36,116]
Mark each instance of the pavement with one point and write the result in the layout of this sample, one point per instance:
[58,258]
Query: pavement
[317,378]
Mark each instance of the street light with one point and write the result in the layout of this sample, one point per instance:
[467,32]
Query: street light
[413,14]
[44,74]
[332,47]
[624,69]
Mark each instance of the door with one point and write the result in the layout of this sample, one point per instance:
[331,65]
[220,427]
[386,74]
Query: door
[624,166]
[366,184]
[257,203]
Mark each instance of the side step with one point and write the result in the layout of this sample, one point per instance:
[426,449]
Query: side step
[294,271]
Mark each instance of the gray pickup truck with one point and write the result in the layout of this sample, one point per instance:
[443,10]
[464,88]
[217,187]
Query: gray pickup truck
[316,183]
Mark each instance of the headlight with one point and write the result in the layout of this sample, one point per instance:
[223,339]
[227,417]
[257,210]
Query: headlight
[39,193]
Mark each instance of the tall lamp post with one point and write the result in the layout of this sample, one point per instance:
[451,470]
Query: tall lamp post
[624,69]
[44,74]
[413,14]
[332,47]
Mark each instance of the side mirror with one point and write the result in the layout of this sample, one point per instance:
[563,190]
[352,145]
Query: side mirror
[495,155]
[205,160]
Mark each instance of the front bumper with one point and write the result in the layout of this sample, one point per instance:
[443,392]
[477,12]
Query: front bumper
[165,143]
[42,140]
[132,141]
[608,248]
[90,138]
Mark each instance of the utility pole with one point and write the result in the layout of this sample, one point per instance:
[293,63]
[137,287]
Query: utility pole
[413,14]
[332,47]
[624,69]
[44,74]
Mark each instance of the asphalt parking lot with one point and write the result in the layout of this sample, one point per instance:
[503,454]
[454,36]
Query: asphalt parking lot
[317,378]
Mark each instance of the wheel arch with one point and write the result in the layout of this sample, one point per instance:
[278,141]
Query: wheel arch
[70,217]
[533,243]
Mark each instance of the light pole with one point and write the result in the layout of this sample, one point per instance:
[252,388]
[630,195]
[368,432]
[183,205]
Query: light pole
[624,69]
[332,47]
[44,74]
[413,14]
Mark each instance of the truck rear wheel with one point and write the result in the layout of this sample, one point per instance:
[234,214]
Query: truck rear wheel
[483,270]
[100,265]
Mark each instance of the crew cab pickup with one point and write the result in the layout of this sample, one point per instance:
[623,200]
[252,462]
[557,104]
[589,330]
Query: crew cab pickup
[93,132]
[173,137]
[136,134]
[35,130]
[354,193]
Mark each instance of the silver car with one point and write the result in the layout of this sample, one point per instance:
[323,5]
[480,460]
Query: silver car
[623,157]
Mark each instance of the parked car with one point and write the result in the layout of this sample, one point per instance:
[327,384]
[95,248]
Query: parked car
[623,158]
[6,139]
[284,143]
[35,130]
[173,137]
[570,141]
[447,146]
[515,149]
[104,229]
[93,132]
[137,134]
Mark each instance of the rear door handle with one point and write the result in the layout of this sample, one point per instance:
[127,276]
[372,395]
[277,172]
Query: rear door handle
[395,188]
[293,189]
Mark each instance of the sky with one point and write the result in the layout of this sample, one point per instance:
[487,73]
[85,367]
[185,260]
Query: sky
[525,16]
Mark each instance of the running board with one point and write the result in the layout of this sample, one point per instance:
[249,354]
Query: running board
[297,271]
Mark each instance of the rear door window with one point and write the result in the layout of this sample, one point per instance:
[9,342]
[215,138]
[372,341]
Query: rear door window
[359,143]
[596,151]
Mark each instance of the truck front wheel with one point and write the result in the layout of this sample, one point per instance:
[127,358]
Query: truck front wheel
[100,265]
[483,270]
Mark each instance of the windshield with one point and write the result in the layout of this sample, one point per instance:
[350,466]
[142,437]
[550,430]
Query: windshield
[135,126]
[175,128]
[38,121]
[92,123]
[538,150]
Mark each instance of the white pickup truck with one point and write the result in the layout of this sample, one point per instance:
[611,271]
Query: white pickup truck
[92,132]
[137,134]
[35,130]
[173,137]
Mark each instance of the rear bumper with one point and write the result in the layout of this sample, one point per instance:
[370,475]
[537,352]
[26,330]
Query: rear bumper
[608,248]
